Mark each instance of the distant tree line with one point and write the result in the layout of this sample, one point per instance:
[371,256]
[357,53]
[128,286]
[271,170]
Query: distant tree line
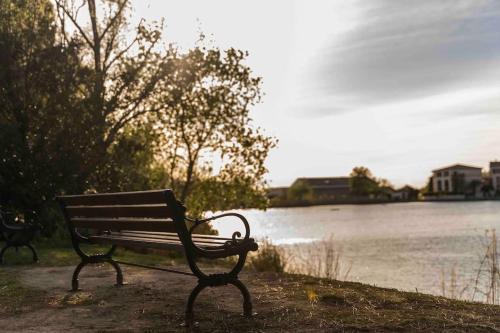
[89,103]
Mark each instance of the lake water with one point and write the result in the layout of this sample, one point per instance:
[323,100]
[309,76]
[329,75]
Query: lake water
[399,245]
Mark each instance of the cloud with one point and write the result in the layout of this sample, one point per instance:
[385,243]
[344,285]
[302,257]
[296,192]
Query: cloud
[408,49]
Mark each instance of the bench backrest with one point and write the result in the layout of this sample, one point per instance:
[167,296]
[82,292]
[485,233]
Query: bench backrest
[145,211]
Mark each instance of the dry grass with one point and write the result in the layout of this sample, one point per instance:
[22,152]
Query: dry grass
[270,258]
[487,281]
[485,286]
[321,259]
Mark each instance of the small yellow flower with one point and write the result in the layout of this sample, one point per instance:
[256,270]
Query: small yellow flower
[312,296]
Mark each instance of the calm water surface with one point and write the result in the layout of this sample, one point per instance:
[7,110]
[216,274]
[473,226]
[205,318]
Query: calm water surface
[401,245]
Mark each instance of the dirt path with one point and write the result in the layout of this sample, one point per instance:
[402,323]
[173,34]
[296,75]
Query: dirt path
[150,301]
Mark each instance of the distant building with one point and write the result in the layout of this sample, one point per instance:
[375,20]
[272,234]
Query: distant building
[386,192]
[327,187]
[406,193]
[495,175]
[277,192]
[457,179]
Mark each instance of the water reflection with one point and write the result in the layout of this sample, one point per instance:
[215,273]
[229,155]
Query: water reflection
[404,246]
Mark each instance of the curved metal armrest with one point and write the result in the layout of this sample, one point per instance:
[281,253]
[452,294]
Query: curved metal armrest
[10,227]
[77,236]
[20,227]
[16,227]
[235,235]
[236,245]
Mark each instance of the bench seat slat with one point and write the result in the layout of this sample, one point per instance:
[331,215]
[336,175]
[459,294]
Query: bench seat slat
[145,242]
[144,211]
[108,240]
[166,237]
[194,236]
[123,198]
[125,224]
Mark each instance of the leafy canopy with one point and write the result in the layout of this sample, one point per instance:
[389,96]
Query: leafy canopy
[84,108]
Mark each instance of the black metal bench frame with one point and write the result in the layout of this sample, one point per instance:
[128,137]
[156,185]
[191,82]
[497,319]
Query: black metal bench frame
[16,236]
[136,211]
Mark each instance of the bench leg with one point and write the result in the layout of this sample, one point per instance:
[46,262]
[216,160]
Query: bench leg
[2,253]
[74,280]
[35,256]
[119,274]
[192,297]
[78,269]
[247,301]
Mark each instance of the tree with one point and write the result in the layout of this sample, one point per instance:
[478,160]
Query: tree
[362,172]
[384,183]
[82,110]
[134,160]
[486,186]
[208,141]
[124,75]
[41,142]
[362,182]
[473,187]
[300,191]
[429,187]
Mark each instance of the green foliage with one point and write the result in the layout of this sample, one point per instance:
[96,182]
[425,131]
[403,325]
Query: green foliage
[41,143]
[213,154]
[362,182]
[83,111]
[132,158]
[269,258]
[300,191]
[429,187]
[122,79]
[214,194]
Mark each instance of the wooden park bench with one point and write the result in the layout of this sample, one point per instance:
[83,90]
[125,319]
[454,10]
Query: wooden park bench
[154,219]
[17,235]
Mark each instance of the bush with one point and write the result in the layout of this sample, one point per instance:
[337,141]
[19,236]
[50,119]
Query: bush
[269,258]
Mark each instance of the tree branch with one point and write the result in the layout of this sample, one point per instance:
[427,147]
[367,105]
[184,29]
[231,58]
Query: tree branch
[73,20]
[119,55]
[122,122]
[112,20]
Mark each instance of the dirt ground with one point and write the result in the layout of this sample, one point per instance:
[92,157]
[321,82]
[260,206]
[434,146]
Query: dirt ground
[154,301]
[151,301]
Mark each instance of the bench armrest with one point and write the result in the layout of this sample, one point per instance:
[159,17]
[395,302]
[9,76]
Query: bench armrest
[236,234]
[16,227]
[236,245]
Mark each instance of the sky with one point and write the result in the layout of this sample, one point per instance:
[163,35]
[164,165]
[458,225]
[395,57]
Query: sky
[401,87]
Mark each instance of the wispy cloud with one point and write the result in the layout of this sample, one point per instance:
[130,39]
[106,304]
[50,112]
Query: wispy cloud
[408,49]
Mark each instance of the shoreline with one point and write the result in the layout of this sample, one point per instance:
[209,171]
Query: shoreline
[368,202]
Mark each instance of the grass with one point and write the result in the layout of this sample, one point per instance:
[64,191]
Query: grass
[347,306]
[485,285]
[14,296]
[66,256]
